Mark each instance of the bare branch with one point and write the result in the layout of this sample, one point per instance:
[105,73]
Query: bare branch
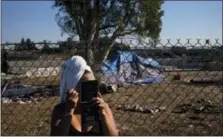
[128,32]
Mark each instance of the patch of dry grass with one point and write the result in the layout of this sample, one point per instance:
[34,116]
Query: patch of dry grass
[50,80]
[34,119]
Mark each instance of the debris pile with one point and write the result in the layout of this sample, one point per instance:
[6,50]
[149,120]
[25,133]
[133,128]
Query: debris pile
[200,106]
[26,93]
[20,95]
[141,109]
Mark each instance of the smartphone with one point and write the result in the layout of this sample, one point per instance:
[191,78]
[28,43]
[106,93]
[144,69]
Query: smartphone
[89,90]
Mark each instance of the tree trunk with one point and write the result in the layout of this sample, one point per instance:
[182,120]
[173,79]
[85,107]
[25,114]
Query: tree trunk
[106,52]
[89,55]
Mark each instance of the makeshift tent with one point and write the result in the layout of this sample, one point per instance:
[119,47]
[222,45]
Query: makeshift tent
[128,68]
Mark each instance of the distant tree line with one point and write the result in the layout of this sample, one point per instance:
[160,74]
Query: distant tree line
[71,46]
[25,45]
[68,45]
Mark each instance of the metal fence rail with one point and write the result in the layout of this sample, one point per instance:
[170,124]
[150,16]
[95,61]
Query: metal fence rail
[188,101]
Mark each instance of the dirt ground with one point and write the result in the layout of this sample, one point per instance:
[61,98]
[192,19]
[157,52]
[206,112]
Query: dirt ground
[187,75]
[34,118]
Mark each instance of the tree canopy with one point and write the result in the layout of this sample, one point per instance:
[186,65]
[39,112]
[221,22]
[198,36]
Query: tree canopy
[95,19]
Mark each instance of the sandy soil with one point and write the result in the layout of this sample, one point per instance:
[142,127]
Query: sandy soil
[34,118]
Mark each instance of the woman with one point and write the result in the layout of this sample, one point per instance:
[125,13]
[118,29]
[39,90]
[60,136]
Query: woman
[66,116]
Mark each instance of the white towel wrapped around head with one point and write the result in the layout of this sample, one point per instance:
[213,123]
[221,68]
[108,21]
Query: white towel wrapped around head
[71,72]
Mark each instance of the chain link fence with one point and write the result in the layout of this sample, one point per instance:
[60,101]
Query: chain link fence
[186,101]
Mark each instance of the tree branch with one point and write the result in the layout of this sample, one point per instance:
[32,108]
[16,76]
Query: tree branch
[128,32]
[78,26]
[109,9]
[108,26]
[127,16]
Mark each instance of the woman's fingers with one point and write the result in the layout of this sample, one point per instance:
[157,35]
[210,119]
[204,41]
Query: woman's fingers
[98,101]
[71,91]
[75,94]
[96,98]
[99,95]
[102,105]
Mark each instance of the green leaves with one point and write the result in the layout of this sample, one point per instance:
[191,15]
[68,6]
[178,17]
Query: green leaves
[79,17]
[91,20]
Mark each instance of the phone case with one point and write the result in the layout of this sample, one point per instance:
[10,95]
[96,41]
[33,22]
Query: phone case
[90,112]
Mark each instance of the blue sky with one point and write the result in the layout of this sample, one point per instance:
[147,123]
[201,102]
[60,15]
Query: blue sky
[182,19]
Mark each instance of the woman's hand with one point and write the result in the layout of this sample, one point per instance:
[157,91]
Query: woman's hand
[109,127]
[101,104]
[72,100]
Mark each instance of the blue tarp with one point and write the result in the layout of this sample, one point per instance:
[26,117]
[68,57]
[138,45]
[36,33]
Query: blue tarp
[121,57]
[113,65]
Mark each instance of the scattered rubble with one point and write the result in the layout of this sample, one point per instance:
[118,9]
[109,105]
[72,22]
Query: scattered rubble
[205,81]
[106,88]
[191,126]
[12,76]
[141,109]
[200,106]
[179,76]
[21,102]
[23,94]
[6,100]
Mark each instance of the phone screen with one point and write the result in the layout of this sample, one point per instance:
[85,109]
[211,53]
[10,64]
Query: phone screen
[89,90]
